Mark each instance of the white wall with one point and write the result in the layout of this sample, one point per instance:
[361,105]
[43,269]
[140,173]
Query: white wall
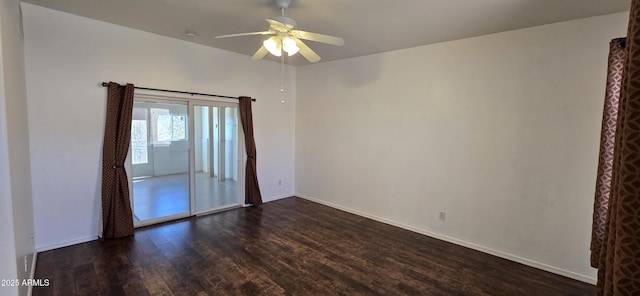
[66,58]
[501,132]
[17,248]
[7,244]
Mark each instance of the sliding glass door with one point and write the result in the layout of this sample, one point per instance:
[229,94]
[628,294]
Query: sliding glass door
[185,158]
[160,161]
[216,157]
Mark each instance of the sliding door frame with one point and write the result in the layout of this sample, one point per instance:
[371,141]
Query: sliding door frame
[191,101]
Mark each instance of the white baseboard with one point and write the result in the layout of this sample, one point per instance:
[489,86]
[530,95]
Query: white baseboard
[535,264]
[66,243]
[277,197]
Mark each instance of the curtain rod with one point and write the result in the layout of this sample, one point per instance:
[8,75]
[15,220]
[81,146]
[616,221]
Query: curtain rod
[104,84]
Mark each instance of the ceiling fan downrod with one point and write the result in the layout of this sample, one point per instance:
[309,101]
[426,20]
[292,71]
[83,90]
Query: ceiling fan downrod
[283,4]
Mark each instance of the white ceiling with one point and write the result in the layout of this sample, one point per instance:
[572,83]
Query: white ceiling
[367,26]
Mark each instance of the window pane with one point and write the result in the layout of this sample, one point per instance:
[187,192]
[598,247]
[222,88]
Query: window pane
[179,128]
[164,128]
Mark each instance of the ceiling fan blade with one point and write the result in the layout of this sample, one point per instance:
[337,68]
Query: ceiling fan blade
[262,51]
[247,34]
[318,37]
[306,52]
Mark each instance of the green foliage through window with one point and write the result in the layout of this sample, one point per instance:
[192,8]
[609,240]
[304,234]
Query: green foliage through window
[139,138]
[171,128]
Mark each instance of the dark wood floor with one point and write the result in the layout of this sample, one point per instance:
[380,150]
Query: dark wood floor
[287,247]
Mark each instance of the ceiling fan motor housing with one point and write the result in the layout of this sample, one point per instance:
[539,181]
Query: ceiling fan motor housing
[285,20]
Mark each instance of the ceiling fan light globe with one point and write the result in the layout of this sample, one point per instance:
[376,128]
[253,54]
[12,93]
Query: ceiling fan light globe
[289,45]
[293,50]
[273,46]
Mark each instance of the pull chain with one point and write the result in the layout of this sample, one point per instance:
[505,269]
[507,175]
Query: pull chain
[282,79]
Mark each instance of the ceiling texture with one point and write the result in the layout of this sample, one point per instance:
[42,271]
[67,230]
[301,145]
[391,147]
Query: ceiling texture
[367,26]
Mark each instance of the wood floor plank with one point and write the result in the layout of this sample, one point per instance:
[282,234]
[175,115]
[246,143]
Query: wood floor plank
[287,247]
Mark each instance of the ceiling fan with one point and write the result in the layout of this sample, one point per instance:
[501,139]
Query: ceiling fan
[286,37]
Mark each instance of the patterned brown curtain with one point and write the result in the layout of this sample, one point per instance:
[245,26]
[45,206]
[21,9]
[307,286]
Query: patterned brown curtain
[117,219]
[619,262]
[607,139]
[251,188]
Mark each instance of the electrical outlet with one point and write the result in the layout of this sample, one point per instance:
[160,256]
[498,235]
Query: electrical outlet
[442,216]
